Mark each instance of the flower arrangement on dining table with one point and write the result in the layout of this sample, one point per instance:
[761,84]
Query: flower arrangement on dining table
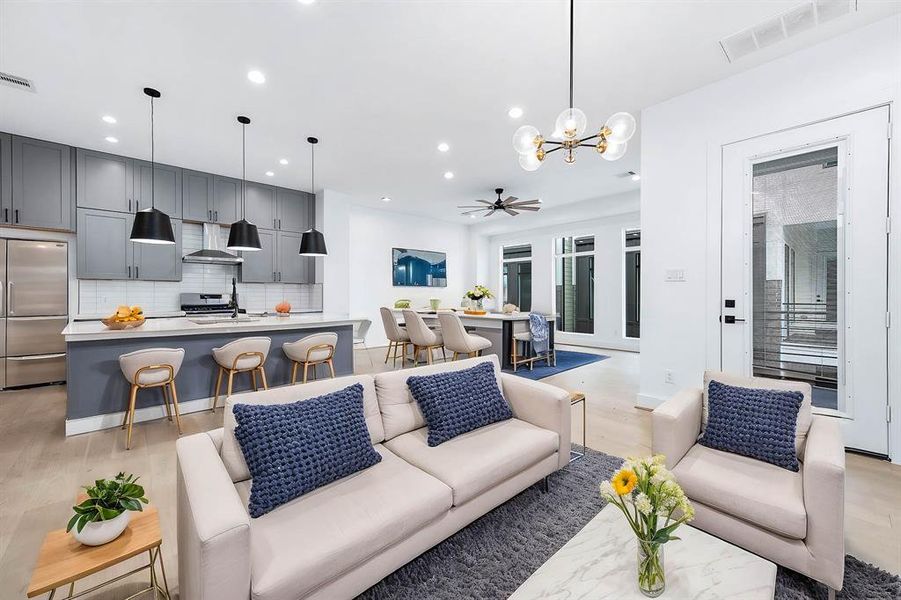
[655,506]
[479,293]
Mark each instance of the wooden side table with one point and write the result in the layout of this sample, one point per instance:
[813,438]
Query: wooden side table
[576,398]
[63,560]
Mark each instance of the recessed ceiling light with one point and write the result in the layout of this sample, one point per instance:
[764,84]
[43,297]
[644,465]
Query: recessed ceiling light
[283,161]
[443,147]
[111,139]
[269,173]
[256,76]
[472,216]
[515,112]
[109,119]
[448,174]
[306,1]
[386,199]
[636,177]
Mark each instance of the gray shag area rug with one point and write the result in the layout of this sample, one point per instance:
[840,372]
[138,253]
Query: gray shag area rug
[490,558]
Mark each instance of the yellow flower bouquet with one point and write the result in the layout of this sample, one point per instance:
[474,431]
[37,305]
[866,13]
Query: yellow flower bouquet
[654,505]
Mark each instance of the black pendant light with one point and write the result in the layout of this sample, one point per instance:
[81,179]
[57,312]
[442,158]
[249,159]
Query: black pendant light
[243,236]
[152,226]
[312,242]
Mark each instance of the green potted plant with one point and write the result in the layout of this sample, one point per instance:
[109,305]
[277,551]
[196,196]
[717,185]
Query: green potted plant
[105,514]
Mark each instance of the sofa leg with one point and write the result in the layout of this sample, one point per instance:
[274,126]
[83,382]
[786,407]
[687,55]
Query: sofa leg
[546,486]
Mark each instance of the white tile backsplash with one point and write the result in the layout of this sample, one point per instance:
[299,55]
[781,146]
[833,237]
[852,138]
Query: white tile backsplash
[102,296]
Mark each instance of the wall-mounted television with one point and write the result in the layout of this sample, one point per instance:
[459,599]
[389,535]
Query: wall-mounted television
[418,268]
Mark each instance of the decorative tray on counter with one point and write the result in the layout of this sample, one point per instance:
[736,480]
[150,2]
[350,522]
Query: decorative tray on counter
[471,311]
[114,324]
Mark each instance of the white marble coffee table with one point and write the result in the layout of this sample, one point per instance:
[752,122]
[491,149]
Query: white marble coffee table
[600,562]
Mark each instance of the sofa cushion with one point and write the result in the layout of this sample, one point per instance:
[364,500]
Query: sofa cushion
[804,415]
[317,537]
[400,412]
[293,449]
[754,491]
[233,457]
[455,402]
[753,422]
[479,460]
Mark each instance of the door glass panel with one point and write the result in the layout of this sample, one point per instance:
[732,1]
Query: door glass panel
[517,276]
[575,293]
[796,279]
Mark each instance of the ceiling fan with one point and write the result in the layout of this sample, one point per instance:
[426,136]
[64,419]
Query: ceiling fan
[510,205]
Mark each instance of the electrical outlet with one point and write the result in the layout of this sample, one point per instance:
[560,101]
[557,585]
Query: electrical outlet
[668,376]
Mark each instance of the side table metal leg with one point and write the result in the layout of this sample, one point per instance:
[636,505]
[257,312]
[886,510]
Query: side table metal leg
[163,568]
[153,584]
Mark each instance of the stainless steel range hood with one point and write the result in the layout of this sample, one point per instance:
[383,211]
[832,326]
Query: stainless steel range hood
[212,254]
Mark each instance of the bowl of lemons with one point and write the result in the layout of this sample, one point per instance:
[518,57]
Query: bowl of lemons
[125,317]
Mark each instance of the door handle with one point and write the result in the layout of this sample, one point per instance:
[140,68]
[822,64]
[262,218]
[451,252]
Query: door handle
[9,298]
[731,319]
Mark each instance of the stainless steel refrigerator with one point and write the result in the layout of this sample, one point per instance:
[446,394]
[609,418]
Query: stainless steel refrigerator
[33,312]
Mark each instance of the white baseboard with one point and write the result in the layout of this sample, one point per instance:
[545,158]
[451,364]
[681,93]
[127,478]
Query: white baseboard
[148,413]
[648,401]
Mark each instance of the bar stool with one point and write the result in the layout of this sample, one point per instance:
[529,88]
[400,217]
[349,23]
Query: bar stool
[457,339]
[422,337]
[153,367]
[311,350]
[398,339]
[526,338]
[241,356]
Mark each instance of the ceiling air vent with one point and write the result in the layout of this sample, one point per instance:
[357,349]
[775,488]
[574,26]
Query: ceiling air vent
[14,81]
[792,22]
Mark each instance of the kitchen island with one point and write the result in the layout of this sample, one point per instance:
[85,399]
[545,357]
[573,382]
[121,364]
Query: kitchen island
[98,392]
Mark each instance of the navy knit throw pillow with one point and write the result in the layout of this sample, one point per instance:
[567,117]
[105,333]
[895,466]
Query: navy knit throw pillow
[295,448]
[753,422]
[455,402]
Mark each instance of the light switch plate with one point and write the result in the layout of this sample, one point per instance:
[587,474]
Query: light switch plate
[675,275]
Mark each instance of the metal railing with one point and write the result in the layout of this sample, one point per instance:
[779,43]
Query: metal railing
[798,340]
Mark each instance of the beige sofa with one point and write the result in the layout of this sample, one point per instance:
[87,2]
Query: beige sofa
[793,519]
[337,541]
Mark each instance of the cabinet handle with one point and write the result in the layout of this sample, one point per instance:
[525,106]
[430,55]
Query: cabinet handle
[129,205]
[279,223]
[274,224]
[6,215]
[273,276]
[210,215]
[9,298]
[129,271]
[137,205]
[216,213]
[137,270]
[17,215]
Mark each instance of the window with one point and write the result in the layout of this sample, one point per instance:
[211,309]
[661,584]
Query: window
[517,276]
[632,288]
[574,280]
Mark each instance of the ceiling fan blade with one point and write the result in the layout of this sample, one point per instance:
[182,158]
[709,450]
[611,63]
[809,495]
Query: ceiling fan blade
[490,212]
[510,199]
[473,206]
[467,212]
[533,208]
[535,201]
[511,212]
[485,202]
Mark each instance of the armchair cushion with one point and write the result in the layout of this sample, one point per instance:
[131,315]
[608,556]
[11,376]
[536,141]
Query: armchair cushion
[751,490]
[753,422]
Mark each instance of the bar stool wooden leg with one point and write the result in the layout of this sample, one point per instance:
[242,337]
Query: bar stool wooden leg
[391,346]
[263,377]
[253,380]
[166,402]
[218,385]
[331,367]
[443,354]
[231,376]
[131,415]
[294,371]
[515,343]
[305,365]
[175,406]
[429,358]
[454,357]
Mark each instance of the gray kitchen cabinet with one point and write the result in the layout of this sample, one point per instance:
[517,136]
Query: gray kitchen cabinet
[294,209]
[292,267]
[159,262]
[104,181]
[103,248]
[166,189]
[198,199]
[260,205]
[261,266]
[5,177]
[41,185]
[227,200]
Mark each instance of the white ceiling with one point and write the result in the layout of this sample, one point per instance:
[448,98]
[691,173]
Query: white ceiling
[380,83]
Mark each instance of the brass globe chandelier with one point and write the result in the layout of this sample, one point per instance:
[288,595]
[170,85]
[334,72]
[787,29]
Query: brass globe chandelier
[610,141]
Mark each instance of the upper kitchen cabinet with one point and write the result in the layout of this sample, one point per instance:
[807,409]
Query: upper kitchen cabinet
[41,185]
[104,181]
[6,176]
[159,262]
[227,200]
[292,267]
[198,200]
[261,266]
[103,248]
[260,205]
[295,210]
[166,189]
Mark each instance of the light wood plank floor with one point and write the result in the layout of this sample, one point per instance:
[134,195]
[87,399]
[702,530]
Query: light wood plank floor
[41,469]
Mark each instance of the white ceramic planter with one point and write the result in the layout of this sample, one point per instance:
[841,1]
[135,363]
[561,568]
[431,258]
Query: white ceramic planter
[102,532]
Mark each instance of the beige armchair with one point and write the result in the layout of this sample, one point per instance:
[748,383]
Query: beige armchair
[793,519]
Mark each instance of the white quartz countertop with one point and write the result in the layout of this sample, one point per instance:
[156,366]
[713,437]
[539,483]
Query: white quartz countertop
[84,331]
[491,316]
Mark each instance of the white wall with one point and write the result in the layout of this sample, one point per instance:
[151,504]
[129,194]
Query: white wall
[681,140]
[609,273]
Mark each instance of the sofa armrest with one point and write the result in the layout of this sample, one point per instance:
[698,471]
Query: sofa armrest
[676,424]
[542,405]
[823,472]
[213,526]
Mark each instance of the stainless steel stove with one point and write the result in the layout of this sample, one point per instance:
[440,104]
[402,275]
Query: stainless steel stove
[206,304]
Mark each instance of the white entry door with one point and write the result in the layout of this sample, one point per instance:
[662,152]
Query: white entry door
[805,267]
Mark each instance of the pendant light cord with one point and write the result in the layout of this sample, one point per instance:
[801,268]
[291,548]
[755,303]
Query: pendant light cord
[313,167]
[152,161]
[243,168]
[571,10]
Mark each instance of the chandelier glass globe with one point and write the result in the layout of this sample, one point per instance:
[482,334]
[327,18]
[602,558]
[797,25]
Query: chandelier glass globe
[529,162]
[622,127]
[614,151]
[572,122]
[524,139]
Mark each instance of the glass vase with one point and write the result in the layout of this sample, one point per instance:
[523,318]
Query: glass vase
[479,304]
[651,576]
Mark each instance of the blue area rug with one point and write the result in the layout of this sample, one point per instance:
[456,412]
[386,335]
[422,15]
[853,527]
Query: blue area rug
[566,360]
